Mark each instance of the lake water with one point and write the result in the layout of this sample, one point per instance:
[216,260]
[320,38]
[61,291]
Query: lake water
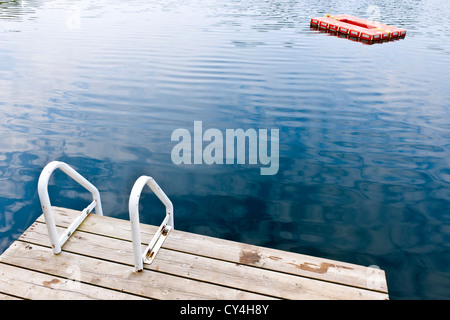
[364,130]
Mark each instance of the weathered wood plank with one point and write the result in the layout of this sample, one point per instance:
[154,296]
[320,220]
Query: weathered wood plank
[245,254]
[33,285]
[280,285]
[4,296]
[117,276]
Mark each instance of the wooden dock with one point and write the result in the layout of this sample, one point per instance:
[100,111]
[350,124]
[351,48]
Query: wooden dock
[97,263]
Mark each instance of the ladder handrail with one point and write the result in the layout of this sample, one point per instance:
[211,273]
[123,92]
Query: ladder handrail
[159,237]
[44,177]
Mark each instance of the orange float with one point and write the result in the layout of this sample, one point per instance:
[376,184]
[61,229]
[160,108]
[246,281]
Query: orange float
[358,28]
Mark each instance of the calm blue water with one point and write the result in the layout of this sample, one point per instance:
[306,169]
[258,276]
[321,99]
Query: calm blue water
[364,173]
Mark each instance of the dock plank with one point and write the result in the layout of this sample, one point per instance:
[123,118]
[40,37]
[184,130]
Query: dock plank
[28,284]
[188,266]
[117,276]
[4,296]
[205,269]
[240,253]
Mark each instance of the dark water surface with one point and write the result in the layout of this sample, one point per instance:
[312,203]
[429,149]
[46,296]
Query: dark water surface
[364,131]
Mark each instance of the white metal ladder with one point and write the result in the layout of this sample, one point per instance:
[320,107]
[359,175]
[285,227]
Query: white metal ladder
[47,207]
[161,234]
[133,206]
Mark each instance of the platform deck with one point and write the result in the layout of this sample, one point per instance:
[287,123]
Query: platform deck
[97,263]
